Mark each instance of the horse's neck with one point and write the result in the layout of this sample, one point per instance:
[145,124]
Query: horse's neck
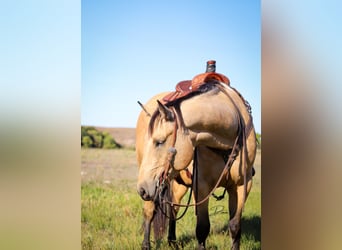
[212,119]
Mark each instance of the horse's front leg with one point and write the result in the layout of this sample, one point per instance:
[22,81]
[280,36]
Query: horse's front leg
[236,202]
[178,193]
[203,223]
[148,216]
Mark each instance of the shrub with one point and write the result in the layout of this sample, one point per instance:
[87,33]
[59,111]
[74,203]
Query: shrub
[87,142]
[109,142]
[96,137]
[258,136]
[92,138]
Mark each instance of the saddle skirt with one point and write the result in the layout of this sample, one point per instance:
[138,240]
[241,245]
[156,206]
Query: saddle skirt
[185,88]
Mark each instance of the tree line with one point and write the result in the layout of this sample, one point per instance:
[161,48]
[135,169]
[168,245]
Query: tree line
[92,138]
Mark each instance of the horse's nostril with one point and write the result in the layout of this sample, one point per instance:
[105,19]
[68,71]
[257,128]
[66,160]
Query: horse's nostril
[144,194]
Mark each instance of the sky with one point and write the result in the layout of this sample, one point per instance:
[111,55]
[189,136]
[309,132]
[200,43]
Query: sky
[132,50]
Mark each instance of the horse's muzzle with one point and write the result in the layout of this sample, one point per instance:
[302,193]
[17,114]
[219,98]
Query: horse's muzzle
[146,192]
[144,195]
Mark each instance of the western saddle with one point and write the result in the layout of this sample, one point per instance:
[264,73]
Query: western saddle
[187,87]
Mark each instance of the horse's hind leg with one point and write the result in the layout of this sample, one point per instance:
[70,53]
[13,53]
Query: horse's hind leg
[178,193]
[148,216]
[236,202]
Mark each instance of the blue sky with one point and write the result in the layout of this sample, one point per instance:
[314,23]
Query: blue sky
[132,50]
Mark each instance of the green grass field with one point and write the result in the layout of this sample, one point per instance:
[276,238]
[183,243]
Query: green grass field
[112,209]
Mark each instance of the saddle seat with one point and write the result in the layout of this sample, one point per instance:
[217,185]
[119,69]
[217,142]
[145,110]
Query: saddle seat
[185,88]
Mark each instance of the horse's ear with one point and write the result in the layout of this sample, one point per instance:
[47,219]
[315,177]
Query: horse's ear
[165,112]
[143,108]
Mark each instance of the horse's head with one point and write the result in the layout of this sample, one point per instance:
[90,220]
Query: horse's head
[167,149]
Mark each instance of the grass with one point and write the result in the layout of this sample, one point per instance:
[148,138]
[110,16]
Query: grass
[112,212]
[109,216]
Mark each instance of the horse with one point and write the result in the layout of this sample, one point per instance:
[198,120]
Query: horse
[151,211]
[214,128]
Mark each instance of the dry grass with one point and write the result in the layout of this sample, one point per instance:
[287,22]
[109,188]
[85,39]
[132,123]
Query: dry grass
[108,166]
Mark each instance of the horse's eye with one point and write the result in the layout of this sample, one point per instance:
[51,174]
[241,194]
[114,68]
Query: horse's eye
[160,143]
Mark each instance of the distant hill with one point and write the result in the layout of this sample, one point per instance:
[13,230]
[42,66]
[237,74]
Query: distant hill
[124,136]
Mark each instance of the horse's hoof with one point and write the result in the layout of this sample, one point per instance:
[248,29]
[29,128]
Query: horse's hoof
[201,246]
[234,228]
[174,244]
[235,246]
[146,246]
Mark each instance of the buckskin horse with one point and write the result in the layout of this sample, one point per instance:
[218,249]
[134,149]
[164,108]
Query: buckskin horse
[209,122]
[152,213]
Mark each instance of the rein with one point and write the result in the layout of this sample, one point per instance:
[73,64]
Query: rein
[243,133]
[165,178]
[246,129]
[225,169]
